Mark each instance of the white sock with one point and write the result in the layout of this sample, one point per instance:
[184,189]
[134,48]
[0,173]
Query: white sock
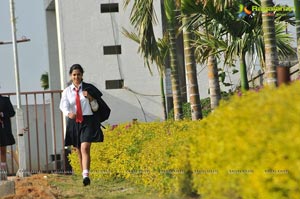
[85,173]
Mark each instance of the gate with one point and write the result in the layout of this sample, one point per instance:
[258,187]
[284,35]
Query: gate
[44,134]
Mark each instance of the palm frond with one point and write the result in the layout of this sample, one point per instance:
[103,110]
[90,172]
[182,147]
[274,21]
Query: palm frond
[170,8]
[143,18]
[45,81]
[283,42]
[220,5]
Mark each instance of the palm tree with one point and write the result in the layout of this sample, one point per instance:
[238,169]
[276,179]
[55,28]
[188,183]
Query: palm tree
[215,11]
[251,41]
[159,60]
[213,81]
[297,14]
[143,18]
[208,47]
[270,44]
[45,81]
[170,10]
[190,12]
[190,65]
[245,37]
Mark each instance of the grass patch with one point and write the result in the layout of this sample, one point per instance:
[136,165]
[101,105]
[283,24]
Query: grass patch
[70,186]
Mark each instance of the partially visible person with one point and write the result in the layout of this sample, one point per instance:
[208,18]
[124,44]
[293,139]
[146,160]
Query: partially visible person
[82,129]
[6,137]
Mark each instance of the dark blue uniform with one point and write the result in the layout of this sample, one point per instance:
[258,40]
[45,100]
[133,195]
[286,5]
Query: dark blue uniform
[6,112]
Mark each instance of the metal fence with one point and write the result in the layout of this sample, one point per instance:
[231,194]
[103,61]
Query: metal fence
[44,133]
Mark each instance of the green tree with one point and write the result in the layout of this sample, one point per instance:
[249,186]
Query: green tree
[213,81]
[223,24]
[45,81]
[207,50]
[159,60]
[194,17]
[244,37]
[143,18]
[190,65]
[249,41]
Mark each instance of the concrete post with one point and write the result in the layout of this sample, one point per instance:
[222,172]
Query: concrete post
[23,170]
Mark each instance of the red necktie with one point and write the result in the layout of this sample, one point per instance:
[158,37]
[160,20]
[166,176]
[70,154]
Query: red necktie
[79,117]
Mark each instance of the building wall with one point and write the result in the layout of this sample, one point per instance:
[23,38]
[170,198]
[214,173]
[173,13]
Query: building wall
[85,31]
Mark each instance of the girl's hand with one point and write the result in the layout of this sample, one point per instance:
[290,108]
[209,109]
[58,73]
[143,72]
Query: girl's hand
[72,115]
[87,95]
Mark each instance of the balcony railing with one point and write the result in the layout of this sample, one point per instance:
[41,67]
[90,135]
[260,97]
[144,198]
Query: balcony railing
[44,133]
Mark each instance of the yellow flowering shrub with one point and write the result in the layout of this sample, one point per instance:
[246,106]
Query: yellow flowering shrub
[252,143]
[247,148]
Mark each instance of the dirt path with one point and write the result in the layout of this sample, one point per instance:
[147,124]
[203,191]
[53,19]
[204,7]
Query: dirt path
[55,186]
[35,186]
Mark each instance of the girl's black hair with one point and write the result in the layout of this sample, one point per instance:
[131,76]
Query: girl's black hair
[76,67]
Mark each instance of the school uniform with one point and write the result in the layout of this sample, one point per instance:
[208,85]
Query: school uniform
[89,130]
[6,112]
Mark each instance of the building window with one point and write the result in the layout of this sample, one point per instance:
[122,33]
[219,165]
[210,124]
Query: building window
[112,50]
[109,7]
[114,84]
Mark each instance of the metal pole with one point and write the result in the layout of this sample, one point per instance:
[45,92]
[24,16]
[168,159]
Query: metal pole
[16,61]
[22,172]
[61,56]
[60,45]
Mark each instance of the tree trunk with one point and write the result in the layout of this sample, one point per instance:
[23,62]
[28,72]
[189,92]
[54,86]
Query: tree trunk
[191,71]
[163,97]
[170,10]
[270,44]
[213,81]
[174,77]
[243,73]
[169,97]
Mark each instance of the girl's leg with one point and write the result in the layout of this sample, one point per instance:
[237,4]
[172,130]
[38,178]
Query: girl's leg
[85,153]
[79,157]
[3,153]
[3,169]
[86,159]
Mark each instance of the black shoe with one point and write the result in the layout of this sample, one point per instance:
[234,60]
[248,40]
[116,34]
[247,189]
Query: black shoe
[86,181]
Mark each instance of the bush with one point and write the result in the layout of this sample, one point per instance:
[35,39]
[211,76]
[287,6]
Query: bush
[186,109]
[246,148]
[205,106]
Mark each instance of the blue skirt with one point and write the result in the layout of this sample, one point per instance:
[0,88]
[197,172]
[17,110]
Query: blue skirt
[6,138]
[87,131]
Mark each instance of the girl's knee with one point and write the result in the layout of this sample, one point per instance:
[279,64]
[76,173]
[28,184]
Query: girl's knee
[85,147]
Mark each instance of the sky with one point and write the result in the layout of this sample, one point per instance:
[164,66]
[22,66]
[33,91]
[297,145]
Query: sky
[32,55]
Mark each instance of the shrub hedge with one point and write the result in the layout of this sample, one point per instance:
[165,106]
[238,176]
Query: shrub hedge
[247,148]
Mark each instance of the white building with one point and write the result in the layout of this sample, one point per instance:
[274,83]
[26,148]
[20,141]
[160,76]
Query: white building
[90,33]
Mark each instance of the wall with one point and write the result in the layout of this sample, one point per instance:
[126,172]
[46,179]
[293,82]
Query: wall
[84,31]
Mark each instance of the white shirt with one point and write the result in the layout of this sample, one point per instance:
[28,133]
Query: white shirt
[68,101]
